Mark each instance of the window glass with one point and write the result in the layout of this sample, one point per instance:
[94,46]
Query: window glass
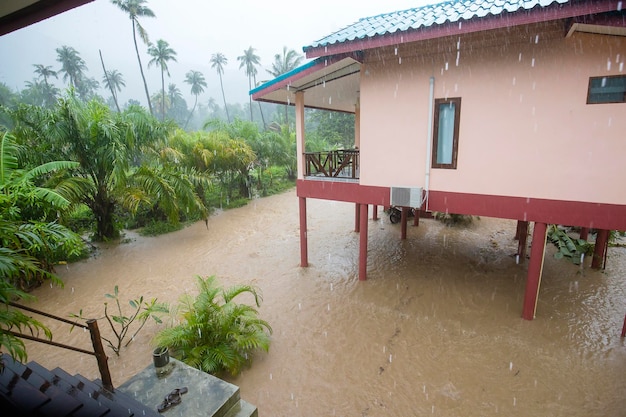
[607,90]
[446,132]
[445,140]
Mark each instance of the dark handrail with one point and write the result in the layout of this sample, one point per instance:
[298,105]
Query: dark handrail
[96,341]
[342,163]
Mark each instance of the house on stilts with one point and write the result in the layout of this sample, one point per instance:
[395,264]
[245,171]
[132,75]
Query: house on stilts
[511,109]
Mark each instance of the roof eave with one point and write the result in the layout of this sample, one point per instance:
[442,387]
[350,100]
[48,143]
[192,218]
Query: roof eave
[288,78]
[504,20]
[36,12]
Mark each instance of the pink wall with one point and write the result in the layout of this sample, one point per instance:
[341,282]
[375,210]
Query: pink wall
[525,129]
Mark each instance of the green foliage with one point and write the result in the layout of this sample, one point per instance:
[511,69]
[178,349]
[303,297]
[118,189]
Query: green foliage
[12,319]
[120,322]
[568,247]
[31,246]
[216,334]
[155,228]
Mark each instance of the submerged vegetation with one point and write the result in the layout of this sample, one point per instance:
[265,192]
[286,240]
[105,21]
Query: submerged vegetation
[215,333]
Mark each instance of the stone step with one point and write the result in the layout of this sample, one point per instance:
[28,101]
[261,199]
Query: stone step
[242,409]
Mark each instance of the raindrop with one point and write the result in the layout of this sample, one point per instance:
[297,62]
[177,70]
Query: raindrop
[619,6]
[520,57]
[514,80]
[510,366]
[458,43]
[446,66]
[292,396]
[390,357]
[532,62]
[330,100]
[288,101]
[384,349]
[324,83]
[72,290]
[325,62]
[458,55]
[328,307]
[399,60]
[50,285]
[608,64]
[325,333]
[621,66]
[396,51]
[424,389]
[270,376]
[299,306]
[331,286]
[514,401]
[433,409]
[536,38]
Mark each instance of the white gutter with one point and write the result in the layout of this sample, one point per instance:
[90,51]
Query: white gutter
[429,139]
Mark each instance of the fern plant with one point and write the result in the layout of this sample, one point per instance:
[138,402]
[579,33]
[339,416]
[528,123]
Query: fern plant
[568,247]
[216,334]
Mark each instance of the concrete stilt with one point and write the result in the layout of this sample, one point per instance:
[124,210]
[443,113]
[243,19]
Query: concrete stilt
[584,233]
[304,251]
[522,237]
[535,267]
[403,220]
[416,218]
[363,244]
[357,215]
[374,212]
[599,252]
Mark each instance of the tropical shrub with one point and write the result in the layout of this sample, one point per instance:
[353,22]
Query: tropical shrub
[451,219]
[216,334]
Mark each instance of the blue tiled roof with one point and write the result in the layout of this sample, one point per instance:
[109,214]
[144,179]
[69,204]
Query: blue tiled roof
[430,15]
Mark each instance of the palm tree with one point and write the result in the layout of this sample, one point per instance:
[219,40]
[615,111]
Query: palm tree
[218,61]
[289,60]
[217,334]
[161,53]
[72,65]
[120,162]
[114,81]
[136,9]
[197,82]
[249,60]
[49,91]
[45,72]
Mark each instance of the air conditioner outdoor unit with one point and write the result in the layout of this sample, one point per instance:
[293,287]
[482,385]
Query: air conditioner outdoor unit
[406,196]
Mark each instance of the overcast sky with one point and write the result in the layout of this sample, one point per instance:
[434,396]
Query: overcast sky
[195,29]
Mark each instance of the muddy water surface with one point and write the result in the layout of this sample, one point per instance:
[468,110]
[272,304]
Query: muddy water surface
[435,330]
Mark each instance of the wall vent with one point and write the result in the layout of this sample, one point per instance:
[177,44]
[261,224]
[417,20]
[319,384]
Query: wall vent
[406,196]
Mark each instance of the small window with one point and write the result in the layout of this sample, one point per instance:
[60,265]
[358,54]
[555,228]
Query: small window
[446,132]
[607,90]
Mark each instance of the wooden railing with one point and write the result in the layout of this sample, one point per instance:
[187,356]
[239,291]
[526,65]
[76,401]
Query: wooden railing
[92,326]
[342,163]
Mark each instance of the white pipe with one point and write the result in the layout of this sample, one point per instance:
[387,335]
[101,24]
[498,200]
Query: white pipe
[429,139]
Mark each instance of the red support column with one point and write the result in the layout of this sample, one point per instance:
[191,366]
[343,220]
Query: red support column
[363,244]
[304,250]
[403,219]
[416,219]
[624,328]
[357,216]
[521,236]
[535,267]
[584,233]
[599,252]
[374,212]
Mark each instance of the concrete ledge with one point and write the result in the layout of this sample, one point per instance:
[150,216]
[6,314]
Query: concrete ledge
[207,396]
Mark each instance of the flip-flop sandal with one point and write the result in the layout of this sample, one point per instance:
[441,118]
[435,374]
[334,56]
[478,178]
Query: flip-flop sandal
[177,393]
[166,405]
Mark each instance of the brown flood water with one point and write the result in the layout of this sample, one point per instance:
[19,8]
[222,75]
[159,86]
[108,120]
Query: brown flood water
[435,330]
